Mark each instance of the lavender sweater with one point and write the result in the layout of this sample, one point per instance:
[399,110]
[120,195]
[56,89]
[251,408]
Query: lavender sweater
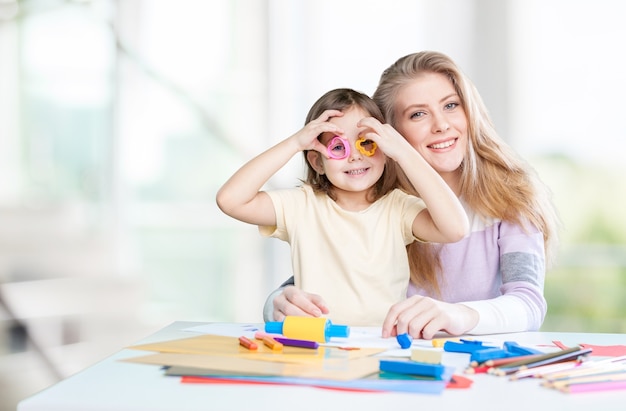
[499,271]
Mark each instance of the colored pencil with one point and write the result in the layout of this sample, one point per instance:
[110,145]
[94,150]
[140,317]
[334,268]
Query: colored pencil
[594,387]
[585,371]
[503,361]
[481,369]
[604,377]
[551,358]
[539,372]
[588,368]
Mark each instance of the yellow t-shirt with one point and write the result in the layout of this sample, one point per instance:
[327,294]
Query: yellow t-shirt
[356,261]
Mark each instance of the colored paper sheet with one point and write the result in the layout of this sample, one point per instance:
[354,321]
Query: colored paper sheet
[458,382]
[218,345]
[333,369]
[606,350]
[220,359]
[371,383]
[599,350]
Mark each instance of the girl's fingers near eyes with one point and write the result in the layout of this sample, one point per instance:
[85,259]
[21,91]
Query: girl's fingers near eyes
[328,114]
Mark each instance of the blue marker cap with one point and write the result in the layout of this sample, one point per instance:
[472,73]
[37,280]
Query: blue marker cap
[405,340]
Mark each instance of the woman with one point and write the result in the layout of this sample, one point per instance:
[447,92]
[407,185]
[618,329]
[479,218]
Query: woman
[492,280]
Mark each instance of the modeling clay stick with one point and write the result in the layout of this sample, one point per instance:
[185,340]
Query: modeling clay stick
[272,343]
[412,368]
[246,342]
[297,343]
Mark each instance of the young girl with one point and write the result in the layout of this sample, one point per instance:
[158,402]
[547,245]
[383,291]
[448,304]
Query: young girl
[347,225]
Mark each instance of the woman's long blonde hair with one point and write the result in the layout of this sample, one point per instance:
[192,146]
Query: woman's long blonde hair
[495,181]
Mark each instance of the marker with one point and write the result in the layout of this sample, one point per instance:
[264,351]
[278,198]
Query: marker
[297,343]
[246,342]
[552,358]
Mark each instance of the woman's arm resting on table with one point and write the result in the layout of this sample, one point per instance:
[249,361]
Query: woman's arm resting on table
[519,304]
[521,307]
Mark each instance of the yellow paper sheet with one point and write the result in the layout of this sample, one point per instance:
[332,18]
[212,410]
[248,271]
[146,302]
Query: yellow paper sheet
[223,346]
[331,369]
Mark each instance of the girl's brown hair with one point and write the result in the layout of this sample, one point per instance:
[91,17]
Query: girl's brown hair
[343,99]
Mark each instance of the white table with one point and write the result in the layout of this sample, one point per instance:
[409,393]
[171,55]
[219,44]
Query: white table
[114,385]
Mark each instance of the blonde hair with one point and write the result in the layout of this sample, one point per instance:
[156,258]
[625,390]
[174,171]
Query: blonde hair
[343,99]
[495,181]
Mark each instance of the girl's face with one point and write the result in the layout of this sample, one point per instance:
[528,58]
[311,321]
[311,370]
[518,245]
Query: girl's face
[430,116]
[356,173]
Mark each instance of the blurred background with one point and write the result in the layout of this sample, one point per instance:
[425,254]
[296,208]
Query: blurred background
[119,120]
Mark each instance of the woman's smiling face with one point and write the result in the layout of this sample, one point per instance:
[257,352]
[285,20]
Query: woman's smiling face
[430,115]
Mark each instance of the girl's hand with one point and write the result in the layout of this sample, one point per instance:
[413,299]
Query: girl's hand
[307,137]
[294,301]
[423,317]
[385,136]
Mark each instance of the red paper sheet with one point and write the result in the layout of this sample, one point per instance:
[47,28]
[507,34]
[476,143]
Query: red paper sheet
[599,350]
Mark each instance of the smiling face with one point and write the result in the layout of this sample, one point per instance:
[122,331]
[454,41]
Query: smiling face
[429,114]
[354,175]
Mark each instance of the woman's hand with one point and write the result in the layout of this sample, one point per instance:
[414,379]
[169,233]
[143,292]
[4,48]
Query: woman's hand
[423,317]
[294,301]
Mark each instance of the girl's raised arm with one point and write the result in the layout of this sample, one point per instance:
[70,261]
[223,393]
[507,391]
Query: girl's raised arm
[444,220]
[241,196]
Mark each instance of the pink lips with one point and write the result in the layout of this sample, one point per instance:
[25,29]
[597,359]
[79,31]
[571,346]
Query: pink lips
[443,145]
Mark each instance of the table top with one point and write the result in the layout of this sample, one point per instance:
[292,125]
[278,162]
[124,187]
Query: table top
[115,385]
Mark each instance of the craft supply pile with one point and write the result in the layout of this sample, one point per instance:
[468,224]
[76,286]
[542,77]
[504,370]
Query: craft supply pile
[314,352]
